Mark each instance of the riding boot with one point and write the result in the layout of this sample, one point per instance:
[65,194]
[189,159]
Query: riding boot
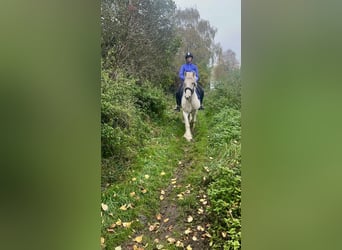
[201,95]
[179,94]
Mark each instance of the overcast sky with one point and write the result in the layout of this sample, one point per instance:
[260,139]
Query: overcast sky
[225,15]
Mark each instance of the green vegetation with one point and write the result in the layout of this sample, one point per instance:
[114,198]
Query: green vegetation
[159,191]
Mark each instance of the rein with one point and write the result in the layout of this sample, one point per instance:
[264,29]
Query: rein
[188,88]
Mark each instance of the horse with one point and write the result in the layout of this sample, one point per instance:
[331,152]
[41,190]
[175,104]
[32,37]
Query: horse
[190,103]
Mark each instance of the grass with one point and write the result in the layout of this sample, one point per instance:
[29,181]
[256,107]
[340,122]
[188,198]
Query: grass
[135,197]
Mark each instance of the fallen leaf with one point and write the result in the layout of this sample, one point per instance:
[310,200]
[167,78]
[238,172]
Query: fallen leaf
[126,224]
[179,244]
[161,197]
[180,197]
[104,207]
[118,248]
[158,216]
[144,191]
[134,179]
[138,238]
[160,246]
[187,231]
[188,247]
[123,207]
[166,220]
[110,230]
[171,240]
[147,176]
[200,211]
[207,235]
[119,222]
[132,194]
[162,191]
[224,234]
[190,218]
[102,240]
[162,173]
[194,238]
[173,182]
[200,228]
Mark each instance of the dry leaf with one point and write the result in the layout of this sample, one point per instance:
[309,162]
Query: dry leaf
[166,220]
[200,228]
[147,176]
[187,231]
[102,240]
[190,218]
[119,222]
[118,248]
[132,194]
[179,244]
[171,240]
[161,197]
[126,224]
[158,216]
[162,173]
[144,191]
[180,197]
[134,179]
[200,211]
[188,247]
[104,207]
[110,230]
[160,246]
[224,234]
[138,238]
[162,192]
[123,207]
[194,238]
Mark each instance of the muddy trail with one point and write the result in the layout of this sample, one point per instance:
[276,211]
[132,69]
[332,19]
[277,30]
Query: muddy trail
[181,221]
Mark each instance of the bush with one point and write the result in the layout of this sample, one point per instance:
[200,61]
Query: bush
[224,190]
[151,100]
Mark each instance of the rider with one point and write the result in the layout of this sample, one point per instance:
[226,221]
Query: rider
[188,67]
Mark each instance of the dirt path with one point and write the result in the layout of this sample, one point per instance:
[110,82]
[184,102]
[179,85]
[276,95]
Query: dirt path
[181,221]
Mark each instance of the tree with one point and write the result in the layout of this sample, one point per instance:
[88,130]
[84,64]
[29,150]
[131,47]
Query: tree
[197,36]
[139,37]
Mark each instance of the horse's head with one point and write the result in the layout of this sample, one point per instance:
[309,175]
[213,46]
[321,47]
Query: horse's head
[189,84]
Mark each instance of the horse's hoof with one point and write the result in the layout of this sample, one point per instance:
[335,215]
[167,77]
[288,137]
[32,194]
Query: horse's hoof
[188,138]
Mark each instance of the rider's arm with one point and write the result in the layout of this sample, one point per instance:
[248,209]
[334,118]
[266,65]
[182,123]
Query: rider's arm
[181,72]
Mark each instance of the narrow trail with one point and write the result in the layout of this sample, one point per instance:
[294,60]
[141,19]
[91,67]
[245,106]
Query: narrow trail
[181,221]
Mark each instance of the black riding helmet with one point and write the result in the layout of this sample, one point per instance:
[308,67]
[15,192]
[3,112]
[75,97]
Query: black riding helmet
[188,55]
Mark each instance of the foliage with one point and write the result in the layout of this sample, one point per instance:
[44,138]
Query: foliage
[139,38]
[197,36]
[224,146]
[224,191]
[227,91]
[126,108]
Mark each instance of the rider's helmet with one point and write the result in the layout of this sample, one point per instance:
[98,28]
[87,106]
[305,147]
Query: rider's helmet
[188,54]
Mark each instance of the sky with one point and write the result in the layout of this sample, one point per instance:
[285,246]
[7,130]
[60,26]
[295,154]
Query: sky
[225,15]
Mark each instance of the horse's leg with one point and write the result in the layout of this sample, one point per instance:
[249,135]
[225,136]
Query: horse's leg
[194,118]
[187,134]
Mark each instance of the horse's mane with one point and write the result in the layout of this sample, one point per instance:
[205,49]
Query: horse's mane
[189,75]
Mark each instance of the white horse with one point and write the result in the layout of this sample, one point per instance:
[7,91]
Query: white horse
[190,103]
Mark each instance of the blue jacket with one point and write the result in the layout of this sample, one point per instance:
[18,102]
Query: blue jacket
[188,67]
